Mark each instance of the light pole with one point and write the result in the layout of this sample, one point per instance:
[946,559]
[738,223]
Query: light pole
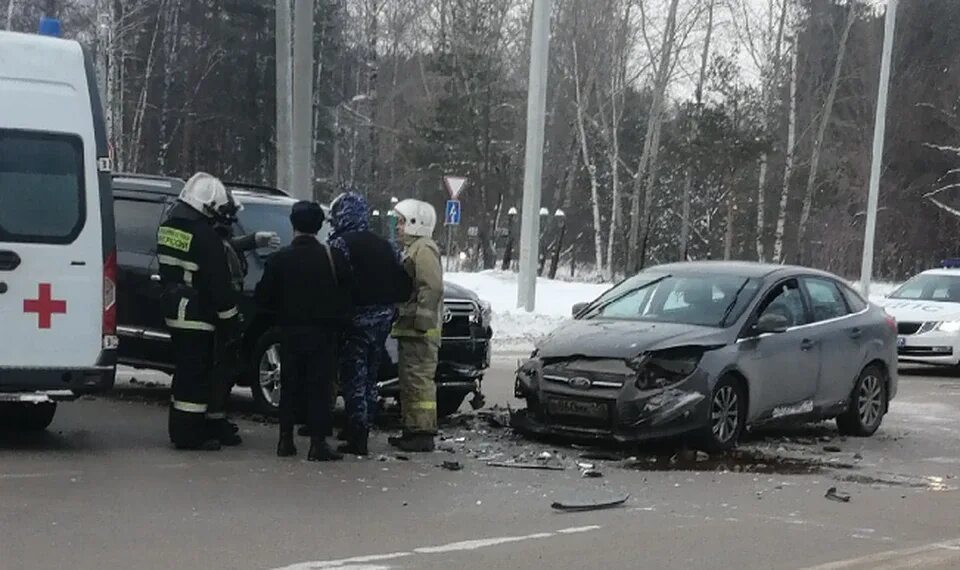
[561,219]
[508,250]
[392,218]
[533,169]
[301,185]
[879,131]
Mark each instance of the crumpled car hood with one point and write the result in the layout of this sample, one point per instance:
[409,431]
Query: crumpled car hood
[597,338]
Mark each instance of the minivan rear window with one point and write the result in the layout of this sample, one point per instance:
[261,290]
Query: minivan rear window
[41,187]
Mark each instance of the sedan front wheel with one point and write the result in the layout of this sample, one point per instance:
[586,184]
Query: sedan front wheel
[728,414]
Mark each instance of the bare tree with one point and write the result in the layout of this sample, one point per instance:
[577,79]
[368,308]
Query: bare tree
[643,182]
[695,134]
[789,160]
[822,131]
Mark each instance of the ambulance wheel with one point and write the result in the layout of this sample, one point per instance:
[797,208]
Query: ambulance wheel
[27,417]
[265,373]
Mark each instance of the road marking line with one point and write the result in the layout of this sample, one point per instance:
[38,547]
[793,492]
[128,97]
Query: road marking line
[481,543]
[466,545]
[579,529]
[40,475]
[896,558]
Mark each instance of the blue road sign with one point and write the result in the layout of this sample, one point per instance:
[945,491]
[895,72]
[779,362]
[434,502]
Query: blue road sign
[453,212]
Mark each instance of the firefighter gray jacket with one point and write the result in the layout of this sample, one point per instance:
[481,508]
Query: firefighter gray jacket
[198,292]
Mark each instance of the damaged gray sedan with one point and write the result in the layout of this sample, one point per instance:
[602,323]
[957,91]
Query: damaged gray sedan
[711,349]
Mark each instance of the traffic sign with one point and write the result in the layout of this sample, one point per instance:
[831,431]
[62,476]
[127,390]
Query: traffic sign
[454,185]
[453,212]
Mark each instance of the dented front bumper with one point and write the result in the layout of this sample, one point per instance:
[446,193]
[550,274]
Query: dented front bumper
[589,404]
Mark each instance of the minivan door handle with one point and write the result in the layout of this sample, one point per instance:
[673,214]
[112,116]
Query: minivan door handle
[856,333]
[807,344]
[9,260]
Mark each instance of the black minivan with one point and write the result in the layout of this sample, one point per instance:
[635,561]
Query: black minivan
[141,202]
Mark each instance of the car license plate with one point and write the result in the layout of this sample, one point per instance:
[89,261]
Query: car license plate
[564,407]
[901,342]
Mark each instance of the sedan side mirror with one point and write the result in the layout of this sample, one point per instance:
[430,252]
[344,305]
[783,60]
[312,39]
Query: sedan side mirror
[772,323]
[578,308]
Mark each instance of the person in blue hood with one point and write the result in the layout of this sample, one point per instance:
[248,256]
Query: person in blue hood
[378,283]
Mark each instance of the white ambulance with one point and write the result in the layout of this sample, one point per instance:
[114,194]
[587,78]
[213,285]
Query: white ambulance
[927,310]
[57,249]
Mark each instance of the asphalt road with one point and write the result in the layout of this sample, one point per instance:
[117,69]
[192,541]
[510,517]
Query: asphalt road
[103,489]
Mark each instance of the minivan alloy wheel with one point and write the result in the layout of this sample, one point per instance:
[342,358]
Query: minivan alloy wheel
[269,379]
[725,413]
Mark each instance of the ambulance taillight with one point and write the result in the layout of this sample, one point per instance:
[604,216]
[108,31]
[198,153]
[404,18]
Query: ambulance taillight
[110,340]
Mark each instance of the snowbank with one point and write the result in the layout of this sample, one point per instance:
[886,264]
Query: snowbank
[516,330]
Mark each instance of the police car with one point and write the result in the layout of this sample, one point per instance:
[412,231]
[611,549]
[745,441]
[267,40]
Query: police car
[927,310]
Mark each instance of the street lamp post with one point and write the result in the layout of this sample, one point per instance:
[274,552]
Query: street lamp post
[561,219]
[508,250]
[879,131]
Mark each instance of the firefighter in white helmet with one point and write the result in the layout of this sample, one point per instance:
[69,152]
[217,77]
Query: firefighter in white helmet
[418,326]
[199,302]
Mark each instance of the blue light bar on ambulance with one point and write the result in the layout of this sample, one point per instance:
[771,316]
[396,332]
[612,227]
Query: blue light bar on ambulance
[950,263]
[49,27]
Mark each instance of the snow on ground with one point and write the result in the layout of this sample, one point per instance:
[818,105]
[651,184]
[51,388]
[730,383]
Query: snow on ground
[516,329]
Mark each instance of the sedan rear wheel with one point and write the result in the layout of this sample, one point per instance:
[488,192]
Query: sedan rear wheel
[868,404]
[728,412]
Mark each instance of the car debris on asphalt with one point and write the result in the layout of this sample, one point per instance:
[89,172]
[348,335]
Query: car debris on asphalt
[573,506]
[526,465]
[834,495]
[451,466]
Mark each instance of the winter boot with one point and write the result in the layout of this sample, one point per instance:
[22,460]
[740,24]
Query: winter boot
[320,450]
[304,431]
[356,442]
[286,448]
[224,431]
[415,443]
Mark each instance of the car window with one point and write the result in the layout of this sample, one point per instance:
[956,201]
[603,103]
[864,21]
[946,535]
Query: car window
[137,222]
[41,187]
[270,217]
[785,300]
[854,300]
[694,299]
[826,300]
[930,287]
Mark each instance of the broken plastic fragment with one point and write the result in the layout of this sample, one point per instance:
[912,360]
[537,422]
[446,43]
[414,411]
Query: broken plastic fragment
[591,474]
[578,506]
[522,465]
[452,465]
[833,495]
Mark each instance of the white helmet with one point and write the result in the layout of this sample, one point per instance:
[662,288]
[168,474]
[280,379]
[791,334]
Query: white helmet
[207,195]
[419,217]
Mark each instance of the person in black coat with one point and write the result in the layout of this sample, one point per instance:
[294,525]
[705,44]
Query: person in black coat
[306,287]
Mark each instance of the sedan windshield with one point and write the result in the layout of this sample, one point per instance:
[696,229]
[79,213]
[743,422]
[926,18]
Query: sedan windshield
[930,287]
[703,300]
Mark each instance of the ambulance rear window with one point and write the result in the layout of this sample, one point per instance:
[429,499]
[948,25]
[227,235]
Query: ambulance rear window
[41,187]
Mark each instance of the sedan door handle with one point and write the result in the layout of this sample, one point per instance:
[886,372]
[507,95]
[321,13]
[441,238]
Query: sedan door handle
[856,333]
[155,278]
[807,344]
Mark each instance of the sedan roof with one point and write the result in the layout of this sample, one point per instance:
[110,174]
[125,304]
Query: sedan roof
[746,269]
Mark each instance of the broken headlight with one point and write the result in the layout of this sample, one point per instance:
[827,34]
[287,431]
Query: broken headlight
[665,368]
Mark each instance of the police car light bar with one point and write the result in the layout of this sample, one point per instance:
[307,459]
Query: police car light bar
[49,27]
[951,263]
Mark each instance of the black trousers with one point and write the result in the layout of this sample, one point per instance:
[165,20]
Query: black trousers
[226,369]
[192,384]
[308,367]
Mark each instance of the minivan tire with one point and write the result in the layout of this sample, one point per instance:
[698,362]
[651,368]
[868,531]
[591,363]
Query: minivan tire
[868,404]
[726,416]
[264,404]
[27,417]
